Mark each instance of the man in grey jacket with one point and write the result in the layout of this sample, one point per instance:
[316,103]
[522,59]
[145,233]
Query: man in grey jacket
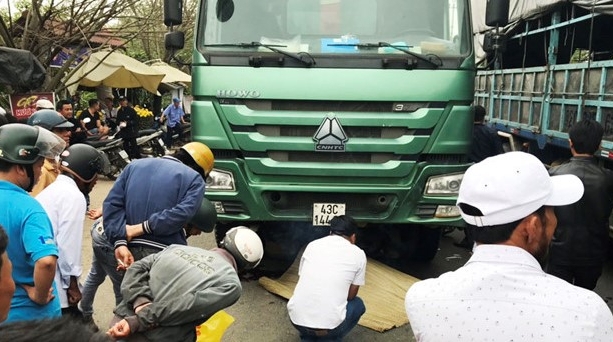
[168,294]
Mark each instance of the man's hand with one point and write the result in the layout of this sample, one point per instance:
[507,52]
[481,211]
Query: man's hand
[119,330]
[124,258]
[73,292]
[38,298]
[134,230]
[93,214]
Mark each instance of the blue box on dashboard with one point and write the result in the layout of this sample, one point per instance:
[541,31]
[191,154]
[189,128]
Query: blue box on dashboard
[331,45]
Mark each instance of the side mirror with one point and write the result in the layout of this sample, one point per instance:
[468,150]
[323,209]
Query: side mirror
[174,40]
[224,10]
[497,13]
[173,12]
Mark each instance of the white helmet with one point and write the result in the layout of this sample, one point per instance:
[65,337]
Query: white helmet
[245,246]
[2,111]
[44,104]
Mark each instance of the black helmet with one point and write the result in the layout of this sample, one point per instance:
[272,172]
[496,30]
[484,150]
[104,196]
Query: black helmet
[84,162]
[205,218]
[23,144]
[49,119]
[245,246]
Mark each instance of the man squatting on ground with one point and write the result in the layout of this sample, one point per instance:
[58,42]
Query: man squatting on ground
[162,305]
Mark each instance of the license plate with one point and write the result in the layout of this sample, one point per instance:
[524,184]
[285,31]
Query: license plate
[123,154]
[161,141]
[324,212]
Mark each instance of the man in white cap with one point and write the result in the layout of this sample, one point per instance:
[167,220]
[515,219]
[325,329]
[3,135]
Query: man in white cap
[502,293]
[44,104]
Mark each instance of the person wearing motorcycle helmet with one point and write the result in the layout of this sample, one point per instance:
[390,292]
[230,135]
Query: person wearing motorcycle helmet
[53,121]
[65,203]
[104,263]
[203,221]
[206,279]
[153,199]
[245,247]
[22,151]
[198,156]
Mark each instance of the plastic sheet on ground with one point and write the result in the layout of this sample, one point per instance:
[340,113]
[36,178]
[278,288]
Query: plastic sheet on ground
[383,293]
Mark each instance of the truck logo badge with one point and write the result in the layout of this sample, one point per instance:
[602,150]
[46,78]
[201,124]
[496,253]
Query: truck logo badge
[330,136]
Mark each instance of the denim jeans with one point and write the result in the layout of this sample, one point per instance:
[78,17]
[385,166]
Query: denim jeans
[355,310]
[103,264]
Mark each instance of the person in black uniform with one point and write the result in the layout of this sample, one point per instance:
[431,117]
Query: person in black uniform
[126,118]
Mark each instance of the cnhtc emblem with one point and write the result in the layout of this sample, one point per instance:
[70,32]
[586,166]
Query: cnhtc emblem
[330,136]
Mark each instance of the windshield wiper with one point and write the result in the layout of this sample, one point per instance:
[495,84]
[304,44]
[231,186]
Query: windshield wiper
[396,47]
[310,61]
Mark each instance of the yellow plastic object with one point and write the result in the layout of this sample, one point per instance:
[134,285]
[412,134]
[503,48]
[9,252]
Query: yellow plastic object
[213,329]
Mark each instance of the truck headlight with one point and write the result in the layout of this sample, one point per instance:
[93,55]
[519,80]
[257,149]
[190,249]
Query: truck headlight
[220,181]
[444,185]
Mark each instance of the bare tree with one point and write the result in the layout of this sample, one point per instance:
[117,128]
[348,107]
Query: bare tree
[150,42]
[46,27]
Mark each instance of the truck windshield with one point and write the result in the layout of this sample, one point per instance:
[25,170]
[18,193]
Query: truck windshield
[325,28]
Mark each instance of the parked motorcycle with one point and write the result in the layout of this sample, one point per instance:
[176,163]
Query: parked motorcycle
[113,149]
[150,142]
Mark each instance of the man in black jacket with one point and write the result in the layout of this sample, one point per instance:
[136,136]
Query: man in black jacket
[579,246]
[485,141]
[127,121]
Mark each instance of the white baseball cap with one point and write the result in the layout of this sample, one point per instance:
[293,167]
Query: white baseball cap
[510,186]
[44,104]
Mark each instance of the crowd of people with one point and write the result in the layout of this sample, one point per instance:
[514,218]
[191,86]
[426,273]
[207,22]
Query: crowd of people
[538,239]
[140,231]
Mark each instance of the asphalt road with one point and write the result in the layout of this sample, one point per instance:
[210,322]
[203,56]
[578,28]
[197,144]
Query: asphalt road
[262,316]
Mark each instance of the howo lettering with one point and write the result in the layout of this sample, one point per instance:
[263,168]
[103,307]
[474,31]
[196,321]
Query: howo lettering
[398,77]
[237,93]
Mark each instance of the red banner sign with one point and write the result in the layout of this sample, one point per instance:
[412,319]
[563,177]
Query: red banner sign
[24,105]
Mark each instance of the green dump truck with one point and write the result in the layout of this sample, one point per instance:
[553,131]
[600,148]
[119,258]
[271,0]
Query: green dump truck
[315,108]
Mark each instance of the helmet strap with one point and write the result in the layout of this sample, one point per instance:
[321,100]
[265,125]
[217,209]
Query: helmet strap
[30,172]
[81,185]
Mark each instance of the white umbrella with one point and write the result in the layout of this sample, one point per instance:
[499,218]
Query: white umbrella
[116,70]
[172,74]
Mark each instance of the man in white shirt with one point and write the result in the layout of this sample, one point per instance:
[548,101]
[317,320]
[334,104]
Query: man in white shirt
[64,202]
[325,304]
[502,293]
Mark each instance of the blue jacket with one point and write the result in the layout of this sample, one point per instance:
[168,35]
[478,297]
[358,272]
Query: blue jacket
[162,194]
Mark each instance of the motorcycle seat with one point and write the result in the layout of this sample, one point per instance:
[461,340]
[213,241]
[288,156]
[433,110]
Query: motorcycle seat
[143,132]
